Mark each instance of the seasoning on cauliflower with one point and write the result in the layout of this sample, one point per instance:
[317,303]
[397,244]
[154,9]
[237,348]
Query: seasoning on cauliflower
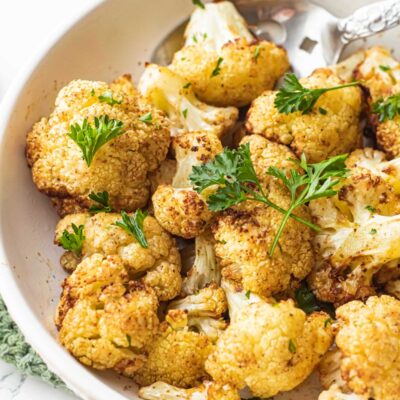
[159,264]
[244,233]
[106,320]
[380,74]
[177,355]
[360,229]
[119,166]
[206,391]
[224,63]
[367,362]
[205,269]
[178,208]
[174,95]
[268,347]
[331,128]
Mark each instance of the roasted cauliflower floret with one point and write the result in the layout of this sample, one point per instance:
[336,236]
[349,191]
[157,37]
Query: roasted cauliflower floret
[174,95]
[159,264]
[222,60]
[206,391]
[380,74]
[318,134]
[178,208]
[106,320]
[177,355]
[360,229]
[120,166]
[269,347]
[368,342]
[205,269]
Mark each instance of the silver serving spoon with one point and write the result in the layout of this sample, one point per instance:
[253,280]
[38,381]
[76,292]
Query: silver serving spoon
[312,36]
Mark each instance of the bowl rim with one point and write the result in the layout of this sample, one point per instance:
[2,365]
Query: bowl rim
[77,377]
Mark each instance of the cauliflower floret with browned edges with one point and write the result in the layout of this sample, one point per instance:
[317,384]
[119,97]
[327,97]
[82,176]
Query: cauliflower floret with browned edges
[206,391]
[360,229]
[174,95]
[368,343]
[177,207]
[177,355]
[105,319]
[223,61]
[269,347]
[159,264]
[331,128]
[380,74]
[120,166]
[244,233]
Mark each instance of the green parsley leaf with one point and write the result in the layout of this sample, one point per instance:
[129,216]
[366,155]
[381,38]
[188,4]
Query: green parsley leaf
[107,97]
[133,225]
[247,294]
[328,322]
[217,70]
[194,38]
[385,68]
[292,346]
[205,35]
[90,138]
[370,208]
[232,178]
[187,86]
[102,198]
[373,231]
[73,241]
[199,4]
[147,118]
[388,108]
[92,92]
[322,111]
[257,52]
[306,300]
[185,112]
[293,96]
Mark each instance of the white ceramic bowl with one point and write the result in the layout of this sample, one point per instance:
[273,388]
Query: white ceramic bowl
[116,37]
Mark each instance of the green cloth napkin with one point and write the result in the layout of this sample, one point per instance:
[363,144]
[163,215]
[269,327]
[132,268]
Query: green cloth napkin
[14,350]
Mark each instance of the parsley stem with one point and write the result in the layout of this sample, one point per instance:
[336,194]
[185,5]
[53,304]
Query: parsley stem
[280,230]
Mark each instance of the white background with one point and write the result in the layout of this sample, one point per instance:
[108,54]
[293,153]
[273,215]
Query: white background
[24,24]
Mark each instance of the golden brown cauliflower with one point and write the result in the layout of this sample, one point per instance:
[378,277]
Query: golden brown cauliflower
[360,230]
[244,233]
[222,60]
[178,208]
[174,95]
[206,391]
[119,167]
[268,347]
[319,135]
[380,74]
[159,263]
[106,320]
[367,359]
[177,355]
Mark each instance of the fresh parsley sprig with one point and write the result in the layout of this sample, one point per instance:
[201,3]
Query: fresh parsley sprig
[107,97]
[293,96]
[317,181]
[199,4]
[73,241]
[217,70]
[232,179]
[103,200]
[133,225]
[307,301]
[387,109]
[90,138]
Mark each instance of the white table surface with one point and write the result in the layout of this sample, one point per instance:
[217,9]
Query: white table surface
[23,26]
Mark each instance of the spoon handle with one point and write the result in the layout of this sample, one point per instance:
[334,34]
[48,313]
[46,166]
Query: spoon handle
[369,20]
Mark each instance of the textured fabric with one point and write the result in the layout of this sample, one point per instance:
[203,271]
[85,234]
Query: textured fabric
[14,350]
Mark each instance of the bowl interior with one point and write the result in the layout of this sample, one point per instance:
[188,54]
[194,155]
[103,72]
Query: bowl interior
[115,38]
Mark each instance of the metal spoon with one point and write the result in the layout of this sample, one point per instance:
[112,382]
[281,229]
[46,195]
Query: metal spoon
[312,36]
